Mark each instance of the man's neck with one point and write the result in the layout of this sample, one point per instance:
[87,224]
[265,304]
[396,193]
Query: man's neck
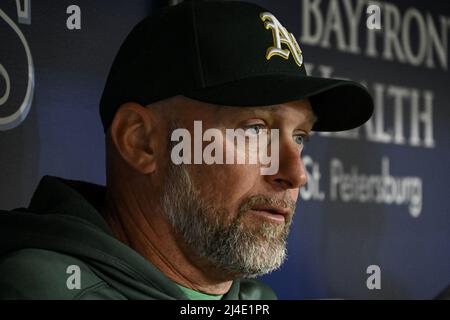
[149,233]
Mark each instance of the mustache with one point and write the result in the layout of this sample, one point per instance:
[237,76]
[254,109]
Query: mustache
[261,200]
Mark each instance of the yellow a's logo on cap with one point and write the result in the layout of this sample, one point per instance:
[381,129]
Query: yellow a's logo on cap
[281,36]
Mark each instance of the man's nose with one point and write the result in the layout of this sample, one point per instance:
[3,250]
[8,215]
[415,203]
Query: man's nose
[291,173]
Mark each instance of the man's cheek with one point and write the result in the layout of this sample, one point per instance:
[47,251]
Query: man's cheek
[294,194]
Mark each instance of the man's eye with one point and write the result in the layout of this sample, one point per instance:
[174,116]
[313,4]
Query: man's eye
[301,138]
[254,129]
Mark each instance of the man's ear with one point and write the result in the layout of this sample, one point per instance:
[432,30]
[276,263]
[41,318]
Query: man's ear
[133,134]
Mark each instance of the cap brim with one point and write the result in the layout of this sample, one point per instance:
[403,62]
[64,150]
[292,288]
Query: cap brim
[338,104]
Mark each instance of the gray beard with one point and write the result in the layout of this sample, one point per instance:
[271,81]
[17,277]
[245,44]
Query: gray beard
[224,240]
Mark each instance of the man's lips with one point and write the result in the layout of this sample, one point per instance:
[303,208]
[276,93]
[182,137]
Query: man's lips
[276,214]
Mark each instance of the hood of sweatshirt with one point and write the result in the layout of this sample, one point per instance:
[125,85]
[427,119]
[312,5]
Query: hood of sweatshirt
[64,217]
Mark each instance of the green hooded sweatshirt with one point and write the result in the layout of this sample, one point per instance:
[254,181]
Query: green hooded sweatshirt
[62,235]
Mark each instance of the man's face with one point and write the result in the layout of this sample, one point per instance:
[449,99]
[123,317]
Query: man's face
[230,214]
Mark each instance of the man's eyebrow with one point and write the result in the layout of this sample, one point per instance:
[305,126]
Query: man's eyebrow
[272,108]
[311,117]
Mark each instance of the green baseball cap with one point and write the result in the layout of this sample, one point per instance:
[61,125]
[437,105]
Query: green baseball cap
[225,53]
